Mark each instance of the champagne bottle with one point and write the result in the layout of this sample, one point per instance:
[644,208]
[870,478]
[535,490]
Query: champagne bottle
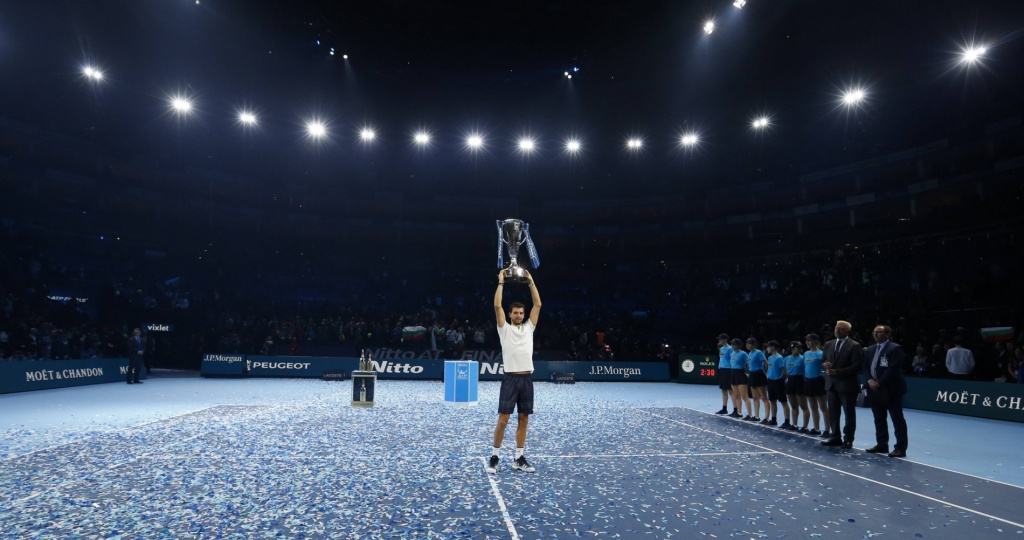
[362,392]
[362,360]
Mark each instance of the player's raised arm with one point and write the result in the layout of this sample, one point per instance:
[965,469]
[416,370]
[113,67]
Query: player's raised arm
[535,310]
[499,312]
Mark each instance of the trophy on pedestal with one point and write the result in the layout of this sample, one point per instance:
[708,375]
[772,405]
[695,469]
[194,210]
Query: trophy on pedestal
[514,233]
[364,380]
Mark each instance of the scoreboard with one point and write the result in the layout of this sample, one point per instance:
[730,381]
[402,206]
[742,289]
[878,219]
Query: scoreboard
[698,369]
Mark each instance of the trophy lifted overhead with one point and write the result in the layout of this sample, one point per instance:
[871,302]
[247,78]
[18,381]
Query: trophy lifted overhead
[514,233]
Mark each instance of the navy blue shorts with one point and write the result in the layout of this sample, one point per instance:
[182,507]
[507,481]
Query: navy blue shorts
[739,377]
[757,379]
[777,390]
[516,392]
[724,378]
[795,385]
[814,387]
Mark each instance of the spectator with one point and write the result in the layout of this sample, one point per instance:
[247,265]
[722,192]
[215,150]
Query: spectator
[937,362]
[572,354]
[460,342]
[437,335]
[1003,361]
[1018,364]
[920,365]
[959,361]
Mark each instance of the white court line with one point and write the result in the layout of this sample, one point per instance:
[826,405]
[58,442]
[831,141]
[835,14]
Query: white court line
[76,441]
[793,433]
[598,456]
[347,457]
[501,505]
[840,471]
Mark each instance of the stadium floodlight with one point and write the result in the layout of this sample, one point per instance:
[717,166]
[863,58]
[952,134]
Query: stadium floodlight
[316,129]
[690,139]
[760,123]
[181,105]
[740,3]
[573,146]
[972,54]
[634,143]
[247,118]
[709,27]
[92,73]
[421,137]
[367,134]
[474,141]
[853,97]
[526,145]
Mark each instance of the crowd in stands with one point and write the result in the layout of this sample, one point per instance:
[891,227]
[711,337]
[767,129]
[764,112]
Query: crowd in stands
[626,313]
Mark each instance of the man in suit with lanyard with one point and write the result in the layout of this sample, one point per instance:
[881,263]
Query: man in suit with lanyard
[135,348]
[843,358]
[883,369]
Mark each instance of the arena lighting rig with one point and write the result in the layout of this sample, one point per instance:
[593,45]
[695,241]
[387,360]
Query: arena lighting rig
[181,105]
[475,142]
[972,54]
[967,55]
[92,73]
[853,97]
[316,129]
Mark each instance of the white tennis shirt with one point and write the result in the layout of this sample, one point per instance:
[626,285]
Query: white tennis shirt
[517,346]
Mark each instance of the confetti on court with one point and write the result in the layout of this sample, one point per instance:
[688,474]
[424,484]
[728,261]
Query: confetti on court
[412,467]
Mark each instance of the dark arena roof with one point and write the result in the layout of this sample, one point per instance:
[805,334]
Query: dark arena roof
[788,164]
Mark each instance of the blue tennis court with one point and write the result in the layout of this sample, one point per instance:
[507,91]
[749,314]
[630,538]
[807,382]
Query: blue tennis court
[613,461]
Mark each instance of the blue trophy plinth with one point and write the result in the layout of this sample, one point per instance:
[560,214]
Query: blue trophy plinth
[460,382]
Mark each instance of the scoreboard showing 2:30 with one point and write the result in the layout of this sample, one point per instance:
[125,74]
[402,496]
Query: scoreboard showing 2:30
[698,369]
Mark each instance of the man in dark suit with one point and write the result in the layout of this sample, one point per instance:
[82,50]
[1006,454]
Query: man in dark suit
[842,361]
[135,349]
[883,369]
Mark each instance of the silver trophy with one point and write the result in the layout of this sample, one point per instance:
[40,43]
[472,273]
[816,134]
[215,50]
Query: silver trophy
[513,233]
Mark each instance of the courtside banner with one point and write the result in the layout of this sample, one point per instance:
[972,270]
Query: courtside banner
[314,367]
[223,364]
[999,401]
[45,374]
[586,371]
